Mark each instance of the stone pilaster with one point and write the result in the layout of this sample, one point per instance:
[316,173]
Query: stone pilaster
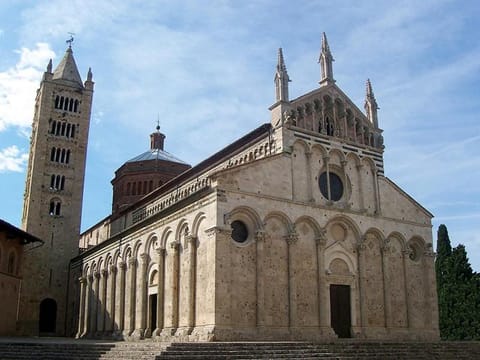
[120,315]
[132,282]
[291,239]
[362,285]
[323,292]
[172,327]
[81,309]
[141,307]
[260,288]
[361,199]
[386,285]
[102,296]
[95,303]
[408,299]
[110,320]
[192,254]
[160,291]
[88,306]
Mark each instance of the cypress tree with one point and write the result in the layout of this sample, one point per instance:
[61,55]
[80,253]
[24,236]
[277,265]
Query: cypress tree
[458,290]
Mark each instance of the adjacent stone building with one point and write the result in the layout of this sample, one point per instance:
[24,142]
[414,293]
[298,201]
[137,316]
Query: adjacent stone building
[13,244]
[291,232]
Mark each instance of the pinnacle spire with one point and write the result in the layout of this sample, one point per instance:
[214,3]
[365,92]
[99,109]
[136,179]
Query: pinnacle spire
[371,105]
[326,60]
[281,79]
[67,70]
[49,66]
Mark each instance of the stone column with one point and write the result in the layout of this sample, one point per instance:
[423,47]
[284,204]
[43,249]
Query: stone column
[110,321]
[175,277]
[259,274]
[192,255]
[308,155]
[376,191]
[362,284]
[132,271]
[291,239]
[344,180]
[141,308]
[386,285]
[431,301]
[102,296]
[95,303]
[408,299]
[160,291]
[326,160]
[360,187]
[120,315]
[323,298]
[88,306]
[81,308]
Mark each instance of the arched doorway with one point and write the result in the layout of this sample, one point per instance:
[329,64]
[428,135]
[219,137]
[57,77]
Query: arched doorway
[48,316]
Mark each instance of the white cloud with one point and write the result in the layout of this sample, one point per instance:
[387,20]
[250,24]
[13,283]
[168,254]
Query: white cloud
[18,85]
[12,159]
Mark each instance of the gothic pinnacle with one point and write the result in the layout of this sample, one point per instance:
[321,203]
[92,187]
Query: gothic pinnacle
[281,79]
[325,60]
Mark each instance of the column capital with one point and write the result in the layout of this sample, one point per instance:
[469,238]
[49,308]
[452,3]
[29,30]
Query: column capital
[113,269]
[261,236]
[359,166]
[326,158]
[321,239]
[132,261]
[292,237]
[104,272]
[190,240]
[82,279]
[90,278]
[174,245]
[144,257]
[122,265]
[386,246]
[97,274]
[343,163]
[160,251]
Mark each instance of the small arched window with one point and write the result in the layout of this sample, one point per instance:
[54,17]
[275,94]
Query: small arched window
[134,188]
[52,154]
[62,183]
[128,188]
[73,131]
[62,160]
[60,106]
[75,106]
[67,160]
[52,129]
[65,106]
[57,101]
[70,106]
[52,182]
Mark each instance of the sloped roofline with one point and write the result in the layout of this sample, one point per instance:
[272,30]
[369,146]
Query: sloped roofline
[399,189]
[25,237]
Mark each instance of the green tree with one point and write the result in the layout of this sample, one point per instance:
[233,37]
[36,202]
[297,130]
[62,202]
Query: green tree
[458,290]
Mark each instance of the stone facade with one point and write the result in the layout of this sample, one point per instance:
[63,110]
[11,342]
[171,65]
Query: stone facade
[13,242]
[291,232]
[53,194]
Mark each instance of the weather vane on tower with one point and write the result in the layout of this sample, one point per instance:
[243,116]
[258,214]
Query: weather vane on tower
[70,41]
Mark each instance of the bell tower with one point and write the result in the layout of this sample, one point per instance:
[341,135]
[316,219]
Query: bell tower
[53,195]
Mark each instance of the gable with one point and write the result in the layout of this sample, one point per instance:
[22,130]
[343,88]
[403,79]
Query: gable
[397,204]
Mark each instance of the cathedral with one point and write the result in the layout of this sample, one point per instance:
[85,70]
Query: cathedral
[291,232]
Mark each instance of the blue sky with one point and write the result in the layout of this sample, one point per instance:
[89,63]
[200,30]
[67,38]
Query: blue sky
[206,70]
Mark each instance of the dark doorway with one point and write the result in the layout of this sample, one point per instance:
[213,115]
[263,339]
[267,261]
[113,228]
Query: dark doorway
[48,316]
[340,310]
[153,312]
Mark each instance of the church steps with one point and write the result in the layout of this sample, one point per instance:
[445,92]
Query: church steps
[150,350]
